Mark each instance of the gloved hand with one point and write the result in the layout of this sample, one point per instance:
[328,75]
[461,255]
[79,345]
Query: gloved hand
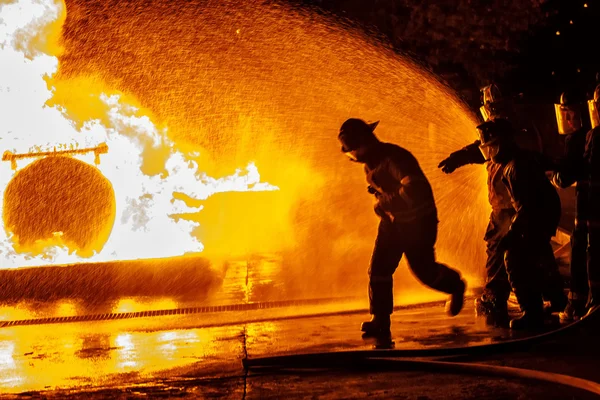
[554,178]
[451,163]
[384,199]
[381,213]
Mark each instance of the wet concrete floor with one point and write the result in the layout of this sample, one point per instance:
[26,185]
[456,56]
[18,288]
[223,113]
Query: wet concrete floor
[156,355]
[199,355]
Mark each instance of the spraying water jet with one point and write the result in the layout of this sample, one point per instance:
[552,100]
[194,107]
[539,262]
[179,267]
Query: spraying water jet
[266,85]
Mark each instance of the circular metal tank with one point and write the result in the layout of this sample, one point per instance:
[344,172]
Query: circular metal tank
[59,200]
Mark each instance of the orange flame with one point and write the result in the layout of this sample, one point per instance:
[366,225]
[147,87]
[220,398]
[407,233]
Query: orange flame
[55,209]
[275,95]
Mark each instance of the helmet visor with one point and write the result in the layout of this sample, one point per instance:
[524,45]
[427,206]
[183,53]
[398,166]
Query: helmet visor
[485,112]
[485,151]
[594,115]
[568,118]
[489,151]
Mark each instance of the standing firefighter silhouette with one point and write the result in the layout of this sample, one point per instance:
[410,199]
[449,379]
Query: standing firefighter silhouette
[582,165]
[592,161]
[493,301]
[492,304]
[529,259]
[408,224]
[572,169]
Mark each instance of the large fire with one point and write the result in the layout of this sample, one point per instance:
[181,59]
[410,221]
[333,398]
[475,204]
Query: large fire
[185,94]
[60,209]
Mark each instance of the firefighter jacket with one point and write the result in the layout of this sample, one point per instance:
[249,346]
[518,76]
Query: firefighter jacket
[573,169]
[533,197]
[403,192]
[592,160]
[497,194]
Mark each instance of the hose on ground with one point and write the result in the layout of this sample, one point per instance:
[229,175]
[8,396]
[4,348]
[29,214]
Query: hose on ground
[478,369]
[353,355]
[396,359]
[486,370]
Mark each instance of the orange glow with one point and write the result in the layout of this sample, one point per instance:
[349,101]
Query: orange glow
[99,352]
[66,309]
[134,305]
[276,95]
[190,120]
[12,312]
[59,209]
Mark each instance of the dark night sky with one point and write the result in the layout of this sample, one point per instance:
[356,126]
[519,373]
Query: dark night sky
[571,58]
[544,64]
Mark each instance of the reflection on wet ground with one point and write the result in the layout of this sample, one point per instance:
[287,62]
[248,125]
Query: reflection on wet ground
[133,351]
[79,355]
[128,351]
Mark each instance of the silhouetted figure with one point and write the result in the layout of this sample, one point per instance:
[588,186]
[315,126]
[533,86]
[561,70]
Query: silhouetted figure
[408,224]
[529,259]
[572,169]
[493,301]
[592,158]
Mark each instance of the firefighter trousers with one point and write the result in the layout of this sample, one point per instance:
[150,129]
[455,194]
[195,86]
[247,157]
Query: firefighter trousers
[533,273]
[416,240]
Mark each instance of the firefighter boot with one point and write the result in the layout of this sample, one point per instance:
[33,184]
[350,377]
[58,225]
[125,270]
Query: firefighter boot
[455,304]
[494,311]
[533,312]
[575,308]
[378,328]
[378,325]
[554,293]
[593,304]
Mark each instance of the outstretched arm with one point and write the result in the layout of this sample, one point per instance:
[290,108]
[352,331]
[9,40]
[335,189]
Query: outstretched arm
[467,155]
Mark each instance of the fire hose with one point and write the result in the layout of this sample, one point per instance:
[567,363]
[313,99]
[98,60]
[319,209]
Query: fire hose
[404,359]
